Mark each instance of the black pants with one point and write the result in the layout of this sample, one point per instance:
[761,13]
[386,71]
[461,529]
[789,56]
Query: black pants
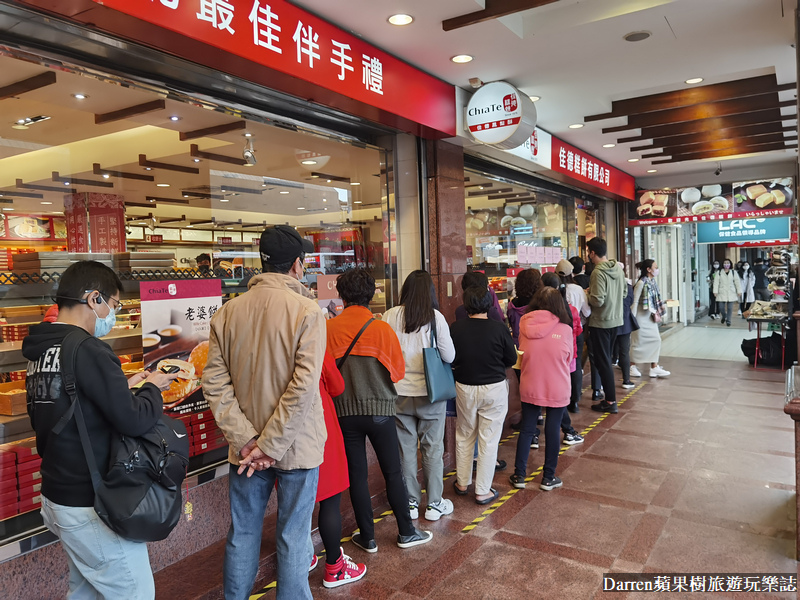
[623,347]
[602,347]
[594,376]
[712,303]
[330,527]
[382,434]
[552,439]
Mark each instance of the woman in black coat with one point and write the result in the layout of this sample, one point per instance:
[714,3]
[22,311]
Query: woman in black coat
[629,325]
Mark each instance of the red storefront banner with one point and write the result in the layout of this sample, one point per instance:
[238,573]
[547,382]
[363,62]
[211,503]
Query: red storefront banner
[107,222]
[77,223]
[585,168]
[286,38]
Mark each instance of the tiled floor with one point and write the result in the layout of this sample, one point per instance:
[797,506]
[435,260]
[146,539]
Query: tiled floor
[711,340]
[695,474]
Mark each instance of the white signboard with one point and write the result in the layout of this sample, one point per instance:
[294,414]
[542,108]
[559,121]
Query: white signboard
[500,115]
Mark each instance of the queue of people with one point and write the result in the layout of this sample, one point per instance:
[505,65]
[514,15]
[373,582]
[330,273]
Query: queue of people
[297,397]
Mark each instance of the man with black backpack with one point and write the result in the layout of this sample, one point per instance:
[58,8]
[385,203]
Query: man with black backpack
[265,354]
[101,562]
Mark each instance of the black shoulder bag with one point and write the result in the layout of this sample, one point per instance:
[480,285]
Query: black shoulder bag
[140,497]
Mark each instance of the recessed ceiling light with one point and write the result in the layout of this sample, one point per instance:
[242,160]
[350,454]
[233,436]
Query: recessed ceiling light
[106,175]
[148,168]
[47,203]
[324,199]
[66,183]
[224,200]
[357,202]
[80,96]
[229,228]
[328,180]
[461,58]
[19,126]
[633,160]
[190,226]
[248,134]
[308,162]
[401,19]
[283,192]
[652,170]
[174,118]
[8,209]
[535,98]
[576,126]
[354,183]
[162,185]
[608,145]
[196,160]
[301,208]
[694,80]
[636,36]
[326,208]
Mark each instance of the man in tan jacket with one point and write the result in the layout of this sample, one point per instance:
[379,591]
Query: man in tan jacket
[265,355]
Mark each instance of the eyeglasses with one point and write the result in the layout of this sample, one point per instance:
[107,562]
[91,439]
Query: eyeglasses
[118,305]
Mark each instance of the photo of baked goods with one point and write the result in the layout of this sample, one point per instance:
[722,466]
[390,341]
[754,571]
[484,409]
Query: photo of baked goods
[653,204]
[770,194]
[187,358]
[715,199]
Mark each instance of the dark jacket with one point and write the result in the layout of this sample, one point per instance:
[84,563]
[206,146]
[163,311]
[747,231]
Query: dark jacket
[629,323]
[582,280]
[760,271]
[107,404]
[515,313]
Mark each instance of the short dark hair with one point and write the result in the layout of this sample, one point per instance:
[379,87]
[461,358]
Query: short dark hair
[758,261]
[552,301]
[477,300]
[203,257]
[86,275]
[356,286]
[528,283]
[598,246]
[281,267]
[577,264]
[472,278]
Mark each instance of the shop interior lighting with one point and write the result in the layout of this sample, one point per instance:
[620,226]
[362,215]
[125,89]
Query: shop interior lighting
[47,203]
[28,121]
[174,118]
[80,96]
[283,192]
[694,80]
[308,162]
[161,184]
[355,183]
[461,58]
[6,208]
[301,208]
[608,145]
[106,176]
[633,160]
[652,170]
[576,126]
[535,98]
[401,19]
[248,134]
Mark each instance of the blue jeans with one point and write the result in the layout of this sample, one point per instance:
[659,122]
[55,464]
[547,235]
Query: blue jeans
[297,490]
[101,563]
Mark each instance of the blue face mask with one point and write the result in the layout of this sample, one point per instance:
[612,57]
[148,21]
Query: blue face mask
[103,326]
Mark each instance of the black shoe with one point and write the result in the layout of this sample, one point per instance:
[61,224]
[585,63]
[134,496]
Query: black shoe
[728,323]
[597,395]
[500,465]
[540,420]
[366,545]
[416,539]
[606,407]
[516,426]
[573,407]
[550,484]
[535,442]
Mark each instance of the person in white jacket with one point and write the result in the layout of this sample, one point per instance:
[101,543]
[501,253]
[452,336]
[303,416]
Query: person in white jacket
[726,290]
[747,282]
[419,422]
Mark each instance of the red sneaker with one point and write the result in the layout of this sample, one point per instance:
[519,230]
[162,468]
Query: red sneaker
[344,571]
[314,563]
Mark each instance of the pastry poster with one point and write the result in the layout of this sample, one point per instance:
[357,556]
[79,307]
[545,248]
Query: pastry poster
[175,320]
[713,202]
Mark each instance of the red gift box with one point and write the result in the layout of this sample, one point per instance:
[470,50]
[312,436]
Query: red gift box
[29,479]
[203,426]
[206,415]
[208,446]
[30,504]
[7,457]
[28,467]
[30,491]
[9,510]
[8,473]
[9,497]
[25,450]
[207,436]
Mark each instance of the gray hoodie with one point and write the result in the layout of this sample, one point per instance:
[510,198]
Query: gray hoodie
[606,294]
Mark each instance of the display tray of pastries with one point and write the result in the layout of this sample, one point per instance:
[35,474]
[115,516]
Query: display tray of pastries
[764,195]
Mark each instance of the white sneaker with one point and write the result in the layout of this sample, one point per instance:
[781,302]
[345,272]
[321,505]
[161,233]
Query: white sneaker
[635,371]
[659,372]
[435,511]
[413,508]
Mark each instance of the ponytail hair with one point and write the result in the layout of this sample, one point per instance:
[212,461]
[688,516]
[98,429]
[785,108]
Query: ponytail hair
[644,266]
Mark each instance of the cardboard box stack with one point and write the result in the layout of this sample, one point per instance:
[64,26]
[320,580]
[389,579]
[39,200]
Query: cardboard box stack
[53,262]
[144,261]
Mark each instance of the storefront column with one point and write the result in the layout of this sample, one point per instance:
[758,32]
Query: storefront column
[447,232]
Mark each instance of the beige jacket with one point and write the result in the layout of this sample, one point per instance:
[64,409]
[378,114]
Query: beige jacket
[265,355]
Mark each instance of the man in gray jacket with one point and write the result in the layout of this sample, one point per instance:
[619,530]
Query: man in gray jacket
[606,293]
[265,356]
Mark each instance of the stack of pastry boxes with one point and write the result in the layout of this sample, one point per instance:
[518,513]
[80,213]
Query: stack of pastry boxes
[203,431]
[20,478]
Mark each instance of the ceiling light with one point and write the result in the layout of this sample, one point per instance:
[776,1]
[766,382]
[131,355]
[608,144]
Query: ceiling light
[576,126]
[301,208]
[694,80]
[66,183]
[229,228]
[8,209]
[308,162]
[21,121]
[357,202]
[652,170]
[224,200]
[633,160]
[354,183]
[608,145]
[328,180]
[106,175]
[196,160]
[148,168]
[47,203]
[401,19]
[535,98]
[249,154]
[190,226]
[162,185]
[461,58]
[19,126]
[248,135]
[80,96]
[174,118]
[636,36]
[326,208]
[324,199]
[283,192]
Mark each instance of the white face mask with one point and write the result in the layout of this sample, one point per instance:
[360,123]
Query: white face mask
[716,265]
[655,272]
[746,267]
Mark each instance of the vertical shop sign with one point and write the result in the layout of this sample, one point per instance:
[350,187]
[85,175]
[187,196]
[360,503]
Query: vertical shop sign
[176,318]
[284,37]
[77,223]
[107,222]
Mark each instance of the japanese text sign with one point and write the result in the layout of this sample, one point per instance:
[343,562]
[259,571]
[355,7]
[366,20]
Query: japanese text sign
[284,37]
[583,167]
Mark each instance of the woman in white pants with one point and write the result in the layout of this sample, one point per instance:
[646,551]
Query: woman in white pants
[648,309]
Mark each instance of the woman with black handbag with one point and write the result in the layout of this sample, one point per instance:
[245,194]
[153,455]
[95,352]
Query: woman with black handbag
[420,422]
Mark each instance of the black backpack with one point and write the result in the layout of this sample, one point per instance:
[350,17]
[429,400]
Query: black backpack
[140,497]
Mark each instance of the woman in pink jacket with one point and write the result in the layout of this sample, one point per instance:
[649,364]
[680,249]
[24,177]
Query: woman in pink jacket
[545,337]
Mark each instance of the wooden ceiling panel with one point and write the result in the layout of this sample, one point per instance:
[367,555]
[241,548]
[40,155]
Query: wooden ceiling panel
[493,9]
[723,119]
